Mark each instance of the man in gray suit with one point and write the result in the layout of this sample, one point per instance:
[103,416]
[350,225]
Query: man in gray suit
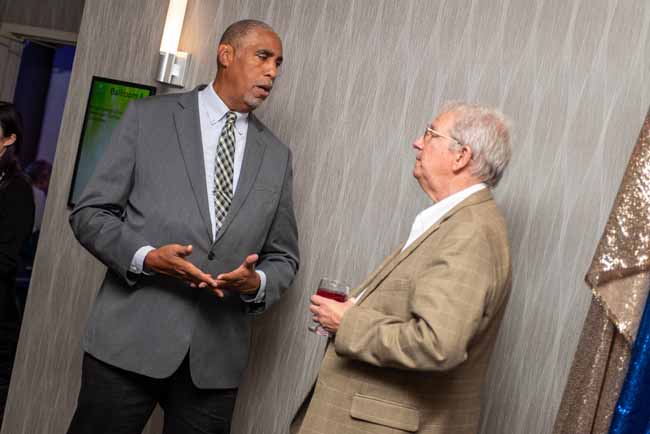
[191,211]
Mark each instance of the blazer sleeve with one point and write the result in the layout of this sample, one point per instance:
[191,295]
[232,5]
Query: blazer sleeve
[446,307]
[279,256]
[98,218]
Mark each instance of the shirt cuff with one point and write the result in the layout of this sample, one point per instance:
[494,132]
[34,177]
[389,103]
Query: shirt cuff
[137,263]
[261,292]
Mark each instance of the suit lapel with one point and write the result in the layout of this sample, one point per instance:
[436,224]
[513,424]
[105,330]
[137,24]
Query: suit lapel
[366,283]
[394,261]
[188,129]
[253,155]
[397,257]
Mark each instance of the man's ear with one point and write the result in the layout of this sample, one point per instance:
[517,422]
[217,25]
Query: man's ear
[8,141]
[463,158]
[225,54]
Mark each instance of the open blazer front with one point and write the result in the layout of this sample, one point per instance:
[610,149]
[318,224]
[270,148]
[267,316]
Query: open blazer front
[412,355]
[150,189]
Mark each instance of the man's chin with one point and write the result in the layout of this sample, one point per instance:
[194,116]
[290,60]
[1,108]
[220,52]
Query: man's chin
[254,102]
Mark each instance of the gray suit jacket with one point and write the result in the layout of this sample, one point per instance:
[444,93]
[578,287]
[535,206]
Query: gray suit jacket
[149,189]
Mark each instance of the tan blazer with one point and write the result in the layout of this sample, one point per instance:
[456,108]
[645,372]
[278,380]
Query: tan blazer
[412,355]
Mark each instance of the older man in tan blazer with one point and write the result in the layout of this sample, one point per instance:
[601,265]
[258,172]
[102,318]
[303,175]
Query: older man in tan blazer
[410,354]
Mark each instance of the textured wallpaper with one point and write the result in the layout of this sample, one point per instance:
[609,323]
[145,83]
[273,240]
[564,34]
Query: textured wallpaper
[49,14]
[361,79]
[10,52]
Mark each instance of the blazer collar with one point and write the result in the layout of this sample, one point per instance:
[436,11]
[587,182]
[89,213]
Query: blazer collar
[398,256]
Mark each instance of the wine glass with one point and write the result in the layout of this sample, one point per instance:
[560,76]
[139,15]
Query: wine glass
[334,290]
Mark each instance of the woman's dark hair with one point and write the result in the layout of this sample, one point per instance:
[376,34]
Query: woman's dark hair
[10,123]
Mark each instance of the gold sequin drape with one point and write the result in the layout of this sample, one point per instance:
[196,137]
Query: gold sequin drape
[619,276]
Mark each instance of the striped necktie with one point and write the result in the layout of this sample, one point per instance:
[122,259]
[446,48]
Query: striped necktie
[224,169]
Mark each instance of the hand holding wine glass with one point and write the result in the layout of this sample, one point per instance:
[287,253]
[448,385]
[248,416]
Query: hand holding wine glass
[328,306]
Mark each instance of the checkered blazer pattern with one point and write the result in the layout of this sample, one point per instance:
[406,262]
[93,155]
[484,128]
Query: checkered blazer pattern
[412,355]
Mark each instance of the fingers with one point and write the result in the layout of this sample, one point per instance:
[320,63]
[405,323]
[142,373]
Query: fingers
[191,272]
[318,300]
[228,283]
[242,272]
[250,261]
[171,260]
[194,275]
[182,251]
[229,277]
[219,293]
[234,276]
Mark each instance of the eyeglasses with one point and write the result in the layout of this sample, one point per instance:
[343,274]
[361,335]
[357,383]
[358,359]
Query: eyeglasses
[430,133]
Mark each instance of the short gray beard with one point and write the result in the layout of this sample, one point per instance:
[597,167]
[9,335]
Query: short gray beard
[253,102]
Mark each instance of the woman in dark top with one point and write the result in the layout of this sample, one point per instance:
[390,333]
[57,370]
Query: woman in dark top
[16,207]
[16,220]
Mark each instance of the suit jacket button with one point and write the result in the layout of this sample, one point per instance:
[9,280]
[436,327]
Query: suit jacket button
[211,256]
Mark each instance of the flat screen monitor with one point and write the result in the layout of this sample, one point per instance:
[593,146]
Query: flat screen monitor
[106,105]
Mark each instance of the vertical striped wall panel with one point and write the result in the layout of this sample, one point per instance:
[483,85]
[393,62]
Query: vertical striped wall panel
[360,80]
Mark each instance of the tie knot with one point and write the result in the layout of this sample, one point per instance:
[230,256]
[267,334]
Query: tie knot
[231,117]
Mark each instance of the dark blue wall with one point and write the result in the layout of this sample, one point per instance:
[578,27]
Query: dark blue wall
[36,67]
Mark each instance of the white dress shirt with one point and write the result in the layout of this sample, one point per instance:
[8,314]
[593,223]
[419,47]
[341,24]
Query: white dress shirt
[431,215]
[435,212]
[212,115]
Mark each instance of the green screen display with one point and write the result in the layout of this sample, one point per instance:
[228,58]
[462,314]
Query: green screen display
[107,102]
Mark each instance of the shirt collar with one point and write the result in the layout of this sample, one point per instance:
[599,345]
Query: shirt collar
[438,209]
[216,109]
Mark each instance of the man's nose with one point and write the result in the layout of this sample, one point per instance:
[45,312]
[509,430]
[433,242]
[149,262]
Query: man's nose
[272,70]
[417,144]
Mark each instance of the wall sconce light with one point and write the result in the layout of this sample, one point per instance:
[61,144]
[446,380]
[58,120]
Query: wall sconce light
[173,64]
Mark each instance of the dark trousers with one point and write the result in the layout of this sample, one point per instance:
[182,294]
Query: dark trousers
[115,401]
[8,343]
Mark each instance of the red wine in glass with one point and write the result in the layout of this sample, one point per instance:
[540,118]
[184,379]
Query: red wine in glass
[338,296]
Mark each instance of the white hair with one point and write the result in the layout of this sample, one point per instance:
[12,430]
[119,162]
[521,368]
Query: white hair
[487,132]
